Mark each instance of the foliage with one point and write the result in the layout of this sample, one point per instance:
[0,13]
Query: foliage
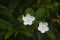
[11,23]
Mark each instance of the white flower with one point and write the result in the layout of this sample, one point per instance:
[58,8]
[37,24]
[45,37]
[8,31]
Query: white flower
[43,27]
[28,19]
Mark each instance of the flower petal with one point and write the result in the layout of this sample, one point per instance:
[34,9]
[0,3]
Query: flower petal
[45,23]
[28,19]
[27,15]
[30,23]
[47,28]
[25,23]
[40,24]
[24,18]
[42,31]
[43,27]
[32,18]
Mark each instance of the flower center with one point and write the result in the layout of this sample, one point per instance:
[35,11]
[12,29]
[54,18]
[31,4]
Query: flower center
[28,20]
[42,27]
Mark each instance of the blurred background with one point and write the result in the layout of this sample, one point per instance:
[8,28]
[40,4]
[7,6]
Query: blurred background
[11,25]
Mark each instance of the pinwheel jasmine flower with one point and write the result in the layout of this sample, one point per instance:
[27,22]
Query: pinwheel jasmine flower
[28,19]
[43,27]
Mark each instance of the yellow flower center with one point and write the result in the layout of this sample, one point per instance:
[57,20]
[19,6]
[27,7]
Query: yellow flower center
[28,20]
[42,27]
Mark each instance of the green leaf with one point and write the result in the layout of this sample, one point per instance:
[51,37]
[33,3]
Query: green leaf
[35,35]
[10,33]
[27,33]
[51,34]
[20,19]
[27,30]
[38,2]
[4,12]
[5,25]
[40,12]
[52,7]
[39,35]
[56,4]
[13,4]
[30,11]
[48,1]
[16,33]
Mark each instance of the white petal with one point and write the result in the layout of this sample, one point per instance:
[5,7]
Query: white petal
[46,29]
[42,31]
[40,24]
[27,15]
[25,23]
[28,19]
[45,23]
[24,18]
[32,18]
[39,28]
[30,23]
[43,27]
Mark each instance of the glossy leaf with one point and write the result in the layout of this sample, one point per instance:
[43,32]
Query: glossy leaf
[39,35]
[40,12]
[16,33]
[27,33]
[30,11]
[5,25]
[51,34]
[5,13]
[10,33]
